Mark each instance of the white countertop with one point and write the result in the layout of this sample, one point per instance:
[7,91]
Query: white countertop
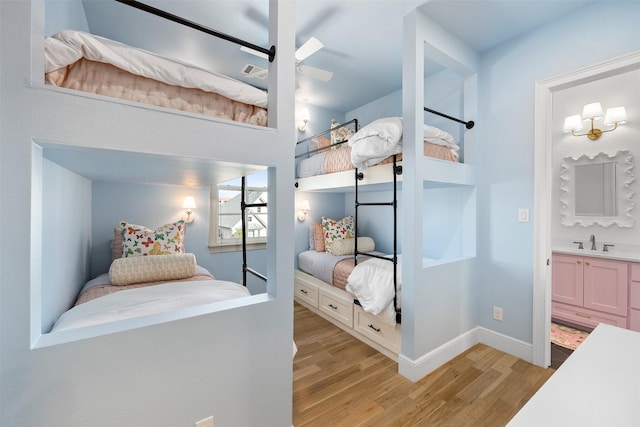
[598,385]
[619,252]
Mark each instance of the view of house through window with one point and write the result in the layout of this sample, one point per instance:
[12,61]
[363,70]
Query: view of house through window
[226,218]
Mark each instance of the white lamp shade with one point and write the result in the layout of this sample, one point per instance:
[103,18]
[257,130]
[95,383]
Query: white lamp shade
[189,203]
[592,111]
[615,115]
[572,123]
[304,206]
[304,114]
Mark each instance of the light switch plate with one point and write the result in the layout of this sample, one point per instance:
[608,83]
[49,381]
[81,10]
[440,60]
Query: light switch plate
[523,215]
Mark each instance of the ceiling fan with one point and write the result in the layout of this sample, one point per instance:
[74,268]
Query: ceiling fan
[310,47]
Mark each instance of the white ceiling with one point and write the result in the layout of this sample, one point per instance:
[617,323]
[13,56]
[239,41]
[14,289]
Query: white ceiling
[362,38]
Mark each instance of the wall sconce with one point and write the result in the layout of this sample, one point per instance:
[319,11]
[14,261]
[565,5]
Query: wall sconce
[614,117]
[304,209]
[188,205]
[304,119]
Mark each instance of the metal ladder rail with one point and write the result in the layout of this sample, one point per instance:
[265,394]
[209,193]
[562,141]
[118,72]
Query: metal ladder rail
[243,207]
[397,170]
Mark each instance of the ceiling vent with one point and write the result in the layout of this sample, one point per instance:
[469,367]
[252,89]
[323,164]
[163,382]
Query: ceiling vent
[250,70]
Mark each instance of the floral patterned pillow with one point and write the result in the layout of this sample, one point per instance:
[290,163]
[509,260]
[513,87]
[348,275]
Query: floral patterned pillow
[336,230]
[138,240]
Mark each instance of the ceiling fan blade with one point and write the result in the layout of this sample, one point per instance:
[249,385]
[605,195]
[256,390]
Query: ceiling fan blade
[314,72]
[254,52]
[309,48]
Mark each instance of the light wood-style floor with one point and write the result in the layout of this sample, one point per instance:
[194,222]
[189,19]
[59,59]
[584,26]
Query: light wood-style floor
[340,381]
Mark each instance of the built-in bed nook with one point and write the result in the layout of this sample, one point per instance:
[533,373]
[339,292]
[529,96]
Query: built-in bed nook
[174,367]
[151,276]
[409,193]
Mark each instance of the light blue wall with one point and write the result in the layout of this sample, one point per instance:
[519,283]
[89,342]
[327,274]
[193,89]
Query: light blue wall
[506,145]
[155,205]
[66,239]
[64,15]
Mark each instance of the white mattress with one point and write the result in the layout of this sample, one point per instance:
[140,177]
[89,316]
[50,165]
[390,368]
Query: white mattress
[149,300]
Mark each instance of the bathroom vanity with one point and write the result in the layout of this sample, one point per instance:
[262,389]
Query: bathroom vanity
[592,287]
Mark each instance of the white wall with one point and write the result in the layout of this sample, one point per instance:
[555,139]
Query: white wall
[230,362]
[506,145]
[619,90]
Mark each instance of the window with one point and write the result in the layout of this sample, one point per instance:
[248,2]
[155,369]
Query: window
[225,232]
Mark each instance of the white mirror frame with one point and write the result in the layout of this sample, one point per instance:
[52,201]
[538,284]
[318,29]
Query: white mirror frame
[625,192]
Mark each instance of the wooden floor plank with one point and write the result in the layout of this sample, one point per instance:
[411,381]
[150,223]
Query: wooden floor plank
[340,381]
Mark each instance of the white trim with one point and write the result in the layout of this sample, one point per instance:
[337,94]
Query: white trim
[542,185]
[414,370]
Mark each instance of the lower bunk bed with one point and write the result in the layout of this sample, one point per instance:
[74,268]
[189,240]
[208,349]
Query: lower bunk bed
[333,287]
[149,274]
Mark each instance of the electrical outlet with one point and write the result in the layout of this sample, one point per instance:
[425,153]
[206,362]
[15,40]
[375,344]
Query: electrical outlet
[497,315]
[207,422]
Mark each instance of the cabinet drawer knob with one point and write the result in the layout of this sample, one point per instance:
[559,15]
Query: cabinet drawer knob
[374,328]
[579,262]
[586,262]
[333,306]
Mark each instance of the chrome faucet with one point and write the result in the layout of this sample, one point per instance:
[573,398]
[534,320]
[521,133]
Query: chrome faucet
[592,239]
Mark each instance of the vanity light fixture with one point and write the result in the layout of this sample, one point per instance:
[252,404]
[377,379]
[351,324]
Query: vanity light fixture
[615,116]
[304,210]
[188,205]
[304,119]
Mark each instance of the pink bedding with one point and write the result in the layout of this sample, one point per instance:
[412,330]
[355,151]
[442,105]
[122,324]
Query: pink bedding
[105,79]
[340,159]
[101,290]
[343,269]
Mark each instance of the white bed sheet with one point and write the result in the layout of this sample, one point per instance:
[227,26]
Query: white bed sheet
[149,300]
[66,47]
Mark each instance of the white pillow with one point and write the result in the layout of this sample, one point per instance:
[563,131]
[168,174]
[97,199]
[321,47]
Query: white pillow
[151,268]
[347,246]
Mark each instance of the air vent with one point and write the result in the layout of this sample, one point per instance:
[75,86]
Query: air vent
[253,71]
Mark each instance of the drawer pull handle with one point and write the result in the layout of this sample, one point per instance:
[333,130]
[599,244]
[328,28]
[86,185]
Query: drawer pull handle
[579,262]
[586,262]
[333,306]
[583,315]
[304,291]
[374,328]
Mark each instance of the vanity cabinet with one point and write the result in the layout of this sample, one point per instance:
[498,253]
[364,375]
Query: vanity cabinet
[588,291]
[634,298]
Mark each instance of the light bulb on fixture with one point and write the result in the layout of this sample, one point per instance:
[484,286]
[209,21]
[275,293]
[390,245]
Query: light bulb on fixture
[615,116]
[304,210]
[188,205]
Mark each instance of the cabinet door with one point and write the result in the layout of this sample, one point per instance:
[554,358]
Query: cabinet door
[567,279]
[605,285]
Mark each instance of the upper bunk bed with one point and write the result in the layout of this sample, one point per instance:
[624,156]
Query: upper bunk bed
[90,63]
[328,163]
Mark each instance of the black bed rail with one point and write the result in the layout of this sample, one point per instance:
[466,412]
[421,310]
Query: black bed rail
[469,125]
[271,52]
[397,170]
[243,207]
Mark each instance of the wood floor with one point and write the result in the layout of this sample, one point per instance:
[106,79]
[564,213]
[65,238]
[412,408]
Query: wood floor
[339,381]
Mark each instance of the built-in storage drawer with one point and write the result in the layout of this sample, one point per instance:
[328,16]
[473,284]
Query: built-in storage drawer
[306,292]
[336,307]
[584,316]
[376,330]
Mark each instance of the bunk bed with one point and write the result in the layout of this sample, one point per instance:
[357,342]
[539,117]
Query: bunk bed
[322,288]
[89,63]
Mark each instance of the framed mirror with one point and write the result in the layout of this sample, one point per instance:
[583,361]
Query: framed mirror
[597,190]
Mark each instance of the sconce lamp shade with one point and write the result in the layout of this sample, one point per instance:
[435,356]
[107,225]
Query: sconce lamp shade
[592,111]
[304,206]
[572,123]
[189,203]
[304,115]
[615,116]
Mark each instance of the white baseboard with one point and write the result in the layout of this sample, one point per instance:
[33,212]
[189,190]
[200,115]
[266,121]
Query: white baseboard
[414,370]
